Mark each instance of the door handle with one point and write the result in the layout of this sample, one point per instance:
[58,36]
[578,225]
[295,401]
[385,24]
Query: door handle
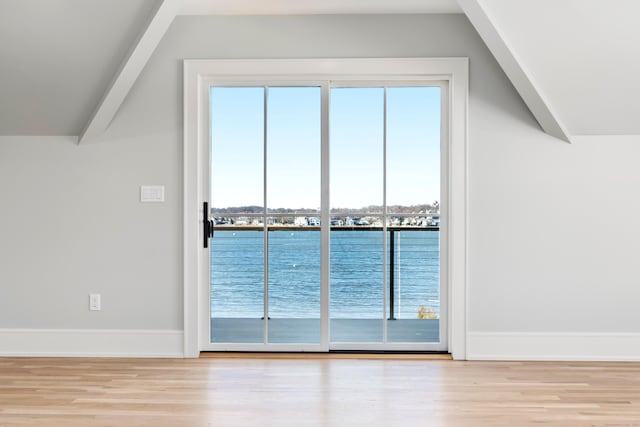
[207,229]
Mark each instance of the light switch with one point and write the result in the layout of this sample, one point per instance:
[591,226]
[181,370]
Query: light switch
[94,302]
[152,193]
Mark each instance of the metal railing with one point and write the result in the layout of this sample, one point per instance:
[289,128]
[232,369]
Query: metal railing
[392,242]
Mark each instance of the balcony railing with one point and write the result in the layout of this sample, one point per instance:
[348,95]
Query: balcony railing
[357,270]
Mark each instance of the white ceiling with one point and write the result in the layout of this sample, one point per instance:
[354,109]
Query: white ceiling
[316,7]
[57,57]
[583,56]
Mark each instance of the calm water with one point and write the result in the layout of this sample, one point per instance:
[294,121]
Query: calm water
[237,274]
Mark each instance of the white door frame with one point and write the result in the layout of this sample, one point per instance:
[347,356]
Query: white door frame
[198,74]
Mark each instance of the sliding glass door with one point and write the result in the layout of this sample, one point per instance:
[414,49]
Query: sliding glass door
[385,197]
[326,200]
[265,189]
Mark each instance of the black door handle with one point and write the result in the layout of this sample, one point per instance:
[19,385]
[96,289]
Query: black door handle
[207,229]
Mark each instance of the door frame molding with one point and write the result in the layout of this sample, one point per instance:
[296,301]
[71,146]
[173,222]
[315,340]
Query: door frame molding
[195,151]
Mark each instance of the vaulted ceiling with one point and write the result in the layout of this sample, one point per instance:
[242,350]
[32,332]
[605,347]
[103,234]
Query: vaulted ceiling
[57,58]
[583,55]
[66,65]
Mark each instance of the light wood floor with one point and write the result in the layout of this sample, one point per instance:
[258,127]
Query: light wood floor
[315,392]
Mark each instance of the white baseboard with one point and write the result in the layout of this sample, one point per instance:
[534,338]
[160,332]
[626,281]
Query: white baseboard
[91,343]
[553,346]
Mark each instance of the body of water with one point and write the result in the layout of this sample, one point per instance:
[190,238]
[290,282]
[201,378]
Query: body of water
[356,279]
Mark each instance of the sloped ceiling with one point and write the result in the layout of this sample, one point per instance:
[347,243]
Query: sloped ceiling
[582,55]
[57,58]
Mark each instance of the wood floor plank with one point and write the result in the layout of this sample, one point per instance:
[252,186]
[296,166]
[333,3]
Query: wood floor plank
[262,391]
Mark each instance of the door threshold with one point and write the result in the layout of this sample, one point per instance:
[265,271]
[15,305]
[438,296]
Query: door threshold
[335,354]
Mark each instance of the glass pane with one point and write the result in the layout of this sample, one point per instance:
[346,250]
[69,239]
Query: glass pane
[357,252]
[293,150]
[416,285]
[357,151]
[237,248]
[294,286]
[413,194]
[293,188]
[237,286]
[356,285]
[413,154]
[237,150]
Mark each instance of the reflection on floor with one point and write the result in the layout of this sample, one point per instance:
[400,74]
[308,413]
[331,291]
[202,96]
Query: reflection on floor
[106,392]
[307,331]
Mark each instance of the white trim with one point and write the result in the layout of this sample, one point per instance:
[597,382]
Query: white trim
[385,212]
[261,347]
[190,226]
[445,112]
[204,193]
[327,69]
[388,346]
[325,217]
[457,268]
[265,209]
[513,67]
[453,70]
[568,346]
[91,343]
[130,69]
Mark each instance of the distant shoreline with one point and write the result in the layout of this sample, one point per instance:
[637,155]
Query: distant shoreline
[293,227]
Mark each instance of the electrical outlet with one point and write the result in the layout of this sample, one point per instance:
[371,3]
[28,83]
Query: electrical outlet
[94,302]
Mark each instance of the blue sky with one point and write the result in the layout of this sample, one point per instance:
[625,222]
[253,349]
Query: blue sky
[356,146]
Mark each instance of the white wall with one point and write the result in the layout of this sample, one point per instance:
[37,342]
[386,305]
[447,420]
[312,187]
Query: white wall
[553,233]
[553,269]
[72,224]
